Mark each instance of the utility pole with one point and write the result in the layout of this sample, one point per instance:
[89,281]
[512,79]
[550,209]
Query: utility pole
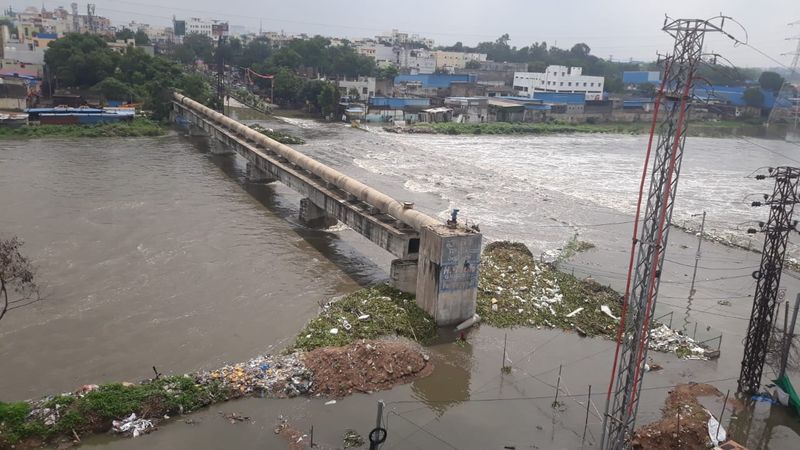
[694,273]
[768,277]
[788,337]
[674,99]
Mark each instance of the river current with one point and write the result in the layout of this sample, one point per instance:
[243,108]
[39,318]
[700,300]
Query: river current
[152,252]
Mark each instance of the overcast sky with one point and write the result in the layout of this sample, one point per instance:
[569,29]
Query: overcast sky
[623,29]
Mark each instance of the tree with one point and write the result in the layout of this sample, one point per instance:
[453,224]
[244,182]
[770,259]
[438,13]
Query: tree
[753,97]
[80,60]
[328,99]
[114,89]
[200,44]
[388,72]
[124,34]
[141,38]
[288,86]
[256,51]
[770,81]
[580,50]
[16,274]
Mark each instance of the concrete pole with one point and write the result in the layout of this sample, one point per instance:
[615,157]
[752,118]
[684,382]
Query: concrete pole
[788,337]
[694,273]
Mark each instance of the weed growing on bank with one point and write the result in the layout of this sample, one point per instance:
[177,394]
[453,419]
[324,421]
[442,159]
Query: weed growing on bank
[95,410]
[137,128]
[367,314]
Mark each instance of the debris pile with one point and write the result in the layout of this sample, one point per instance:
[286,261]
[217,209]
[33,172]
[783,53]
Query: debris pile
[352,439]
[274,375]
[279,136]
[666,340]
[365,366]
[367,314]
[685,423]
[516,290]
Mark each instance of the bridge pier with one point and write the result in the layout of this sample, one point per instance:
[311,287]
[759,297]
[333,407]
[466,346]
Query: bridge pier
[313,216]
[403,275]
[256,175]
[447,279]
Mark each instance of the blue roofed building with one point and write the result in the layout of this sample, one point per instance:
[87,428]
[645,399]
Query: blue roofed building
[433,80]
[637,77]
[730,95]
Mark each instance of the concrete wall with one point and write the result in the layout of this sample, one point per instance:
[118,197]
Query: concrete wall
[447,282]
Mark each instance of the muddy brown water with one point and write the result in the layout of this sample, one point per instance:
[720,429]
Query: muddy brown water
[152,252]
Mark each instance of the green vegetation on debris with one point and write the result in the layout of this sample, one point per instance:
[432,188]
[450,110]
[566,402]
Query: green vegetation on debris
[137,128]
[720,128]
[370,313]
[527,128]
[283,138]
[94,410]
[516,290]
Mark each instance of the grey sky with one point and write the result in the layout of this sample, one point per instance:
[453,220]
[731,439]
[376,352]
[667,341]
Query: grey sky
[622,28]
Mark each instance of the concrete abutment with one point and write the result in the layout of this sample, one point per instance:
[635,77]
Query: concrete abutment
[403,275]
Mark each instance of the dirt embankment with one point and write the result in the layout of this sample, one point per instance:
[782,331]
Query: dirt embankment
[684,425]
[365,366]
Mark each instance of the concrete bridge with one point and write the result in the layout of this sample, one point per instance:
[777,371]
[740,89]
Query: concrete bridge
[438,262]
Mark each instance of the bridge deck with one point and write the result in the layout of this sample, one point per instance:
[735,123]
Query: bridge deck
[379,227]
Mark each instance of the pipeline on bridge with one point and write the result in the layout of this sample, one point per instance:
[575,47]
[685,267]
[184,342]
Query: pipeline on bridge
[359,190]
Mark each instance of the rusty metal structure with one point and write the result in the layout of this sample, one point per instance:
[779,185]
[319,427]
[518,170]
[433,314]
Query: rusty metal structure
[668,130]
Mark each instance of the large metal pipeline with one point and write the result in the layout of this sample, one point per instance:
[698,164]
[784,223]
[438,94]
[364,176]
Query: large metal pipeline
[361,191]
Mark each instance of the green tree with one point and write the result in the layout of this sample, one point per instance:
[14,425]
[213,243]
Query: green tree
[753,97]
[141,38]
[124,34]
[288,87]
[388,72]
[80,60]
[201,45]
[114,89]
[256,51]
[327,99]
[286,57]
[770,81]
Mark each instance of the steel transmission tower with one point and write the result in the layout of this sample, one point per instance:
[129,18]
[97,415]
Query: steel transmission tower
[776,236]
[669,121]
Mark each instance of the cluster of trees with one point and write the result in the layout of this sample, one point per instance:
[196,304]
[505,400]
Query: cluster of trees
[767,81]
[296,66]
[139,37]
[85,61]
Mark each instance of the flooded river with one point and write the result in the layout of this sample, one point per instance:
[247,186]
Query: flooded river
[152,252]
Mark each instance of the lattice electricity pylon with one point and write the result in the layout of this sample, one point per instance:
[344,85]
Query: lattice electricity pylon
[776,236]
[674,97]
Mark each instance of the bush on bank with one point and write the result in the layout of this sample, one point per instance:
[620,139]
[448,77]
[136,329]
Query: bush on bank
[139,127]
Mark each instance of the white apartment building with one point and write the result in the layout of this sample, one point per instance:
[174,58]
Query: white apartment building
[559,79]
[199,26]
[364,85]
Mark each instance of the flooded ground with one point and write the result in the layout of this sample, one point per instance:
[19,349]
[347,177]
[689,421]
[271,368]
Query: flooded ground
[153,252]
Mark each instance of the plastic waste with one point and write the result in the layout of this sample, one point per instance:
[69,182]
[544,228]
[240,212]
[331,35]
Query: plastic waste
[131,424]
[573,313]
[607,311]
